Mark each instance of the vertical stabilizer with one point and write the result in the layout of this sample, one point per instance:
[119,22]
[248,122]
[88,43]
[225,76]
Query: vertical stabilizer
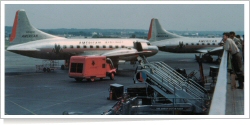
[157,33]
[23,31]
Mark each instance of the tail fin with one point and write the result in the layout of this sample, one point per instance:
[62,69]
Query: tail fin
[157,33]
[23,31]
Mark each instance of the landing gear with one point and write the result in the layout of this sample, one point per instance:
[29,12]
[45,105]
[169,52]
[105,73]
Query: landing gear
[66,65]
[206,58]
[44,69]
[48,69]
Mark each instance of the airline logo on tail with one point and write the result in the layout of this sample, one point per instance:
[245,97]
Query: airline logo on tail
[23,31]
[157,33]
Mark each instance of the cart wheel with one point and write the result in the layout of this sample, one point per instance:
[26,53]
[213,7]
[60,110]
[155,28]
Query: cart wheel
[48,69]
[44,69]
[112,76]
[78,79]
[92,79]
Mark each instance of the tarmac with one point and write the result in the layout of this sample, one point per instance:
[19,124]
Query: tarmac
[28,92]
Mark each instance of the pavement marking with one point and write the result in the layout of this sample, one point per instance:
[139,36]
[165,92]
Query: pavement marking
[70,100]
[23,74]
[74,99]
[22,107]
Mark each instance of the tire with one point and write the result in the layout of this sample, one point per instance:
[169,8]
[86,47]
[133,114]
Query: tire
[78,79]
[112,76]
[62,67]
[48,69]
[101,79]
[44,69]
[92,79]
[88,80]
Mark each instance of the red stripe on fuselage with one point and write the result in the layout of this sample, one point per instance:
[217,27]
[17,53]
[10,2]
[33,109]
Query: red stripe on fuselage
[13,34]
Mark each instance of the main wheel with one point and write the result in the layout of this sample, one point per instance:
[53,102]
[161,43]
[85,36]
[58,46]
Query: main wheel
[112,76]
[78,79]
[48,69]
[44,69]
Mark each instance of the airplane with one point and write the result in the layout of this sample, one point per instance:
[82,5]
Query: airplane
[29,41]
[170,42]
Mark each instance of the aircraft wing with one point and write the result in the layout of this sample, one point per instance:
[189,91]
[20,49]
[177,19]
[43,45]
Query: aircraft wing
[202,51]
[121,52]
[215,51]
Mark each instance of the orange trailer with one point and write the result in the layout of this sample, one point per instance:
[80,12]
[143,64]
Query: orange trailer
[91,67]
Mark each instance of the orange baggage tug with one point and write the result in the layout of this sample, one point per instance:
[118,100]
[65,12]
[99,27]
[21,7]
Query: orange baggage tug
[91,67]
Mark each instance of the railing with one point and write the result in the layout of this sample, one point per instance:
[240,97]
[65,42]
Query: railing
[218,105]
[165,78]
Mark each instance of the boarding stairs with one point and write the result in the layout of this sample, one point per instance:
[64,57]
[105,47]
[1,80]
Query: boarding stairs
[172,85]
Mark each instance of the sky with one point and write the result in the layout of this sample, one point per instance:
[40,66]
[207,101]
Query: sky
[180,17]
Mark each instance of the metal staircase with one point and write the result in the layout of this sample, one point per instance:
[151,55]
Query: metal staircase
[170,84]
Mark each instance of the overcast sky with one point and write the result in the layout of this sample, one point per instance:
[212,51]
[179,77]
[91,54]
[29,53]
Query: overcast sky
[198,17]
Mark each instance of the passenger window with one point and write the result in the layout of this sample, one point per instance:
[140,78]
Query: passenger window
[186,44]
[97,46]
[208,43]
[64,46]
[91,46]
[192,43]
[202,44]
[110,46]
[84,46]
[197,44]
[71,46]
[78,46]
[213,43]
[116,46]
[104,46]
[122,46]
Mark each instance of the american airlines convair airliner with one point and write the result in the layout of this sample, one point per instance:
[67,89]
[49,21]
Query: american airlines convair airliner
[174,43]
[29,41]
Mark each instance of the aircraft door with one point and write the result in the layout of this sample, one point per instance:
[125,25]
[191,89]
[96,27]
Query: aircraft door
[138,46]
